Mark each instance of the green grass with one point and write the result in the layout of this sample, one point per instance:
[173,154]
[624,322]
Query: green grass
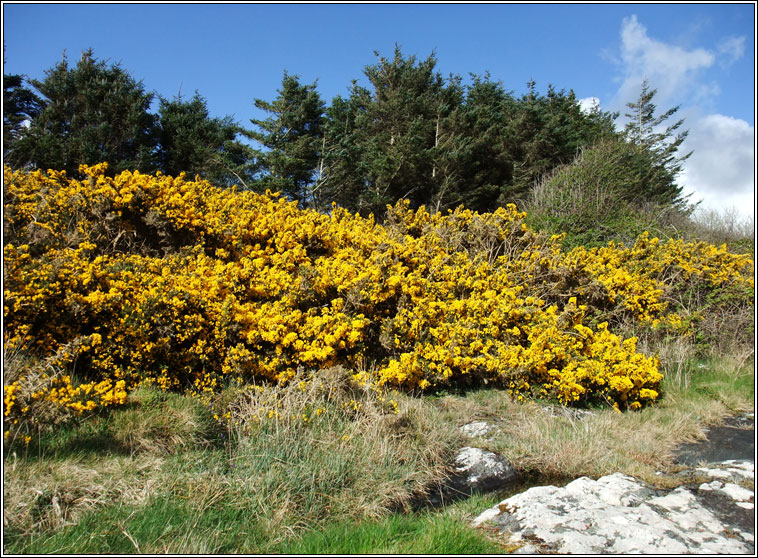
[161,525]
[425,533]
[165,525]
[160,476]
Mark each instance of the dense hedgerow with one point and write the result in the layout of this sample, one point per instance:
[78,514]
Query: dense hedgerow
[118,282]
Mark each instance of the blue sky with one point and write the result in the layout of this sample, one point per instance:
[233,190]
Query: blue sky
[699,56]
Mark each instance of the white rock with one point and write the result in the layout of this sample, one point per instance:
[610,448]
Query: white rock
[479,469]
[477,429]
[614,515]
[734,491]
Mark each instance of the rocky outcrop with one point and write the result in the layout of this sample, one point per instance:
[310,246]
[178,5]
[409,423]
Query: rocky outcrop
[617,514]
[734,439]
[480,470]
[478,429]
[712,510]
[473,470]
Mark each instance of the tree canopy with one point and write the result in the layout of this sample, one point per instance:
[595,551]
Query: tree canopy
[189,140]
[96,111]
[659,148]
[92,112]
[409,133]
[291,137]
[20,106]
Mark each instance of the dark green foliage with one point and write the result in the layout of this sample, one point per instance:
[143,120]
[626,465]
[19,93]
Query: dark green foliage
[393,142]
[20,104]
[662,165]
[597,197]
[403,128]
[547,131]
[413,134]
[293,139]
[190,141]
[341,178]
[422,137]
[91,113]
[484,162]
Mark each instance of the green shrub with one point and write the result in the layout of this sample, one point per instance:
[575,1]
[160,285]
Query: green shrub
[599,197]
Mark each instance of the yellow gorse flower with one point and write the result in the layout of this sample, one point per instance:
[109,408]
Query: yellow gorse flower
[157,279]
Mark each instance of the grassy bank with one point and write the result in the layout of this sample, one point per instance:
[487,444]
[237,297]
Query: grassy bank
[162,475]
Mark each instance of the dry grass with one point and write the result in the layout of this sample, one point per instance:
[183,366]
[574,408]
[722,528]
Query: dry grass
[99,460]
[539,441]
[40,495]
[328,444]
[724,225]
[162,423]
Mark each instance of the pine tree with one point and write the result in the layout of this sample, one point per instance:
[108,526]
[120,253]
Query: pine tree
[475,163]
[548,131]
[91,113]
[396,141]
[292,137]
[341,175]
[190,141]
[409,99]
[660,145]
[20,106]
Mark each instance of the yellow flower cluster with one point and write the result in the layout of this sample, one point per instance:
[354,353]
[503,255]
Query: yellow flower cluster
[178,283]
[84,397]
[645,278]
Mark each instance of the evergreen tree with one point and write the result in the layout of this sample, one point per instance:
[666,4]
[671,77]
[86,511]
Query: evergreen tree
[91,113]
[20,106]
[662,164]
[342,171]
[398,140]
[190,140]
[418,136]
[548,131]
[293,139]
[475,163]
[409,101]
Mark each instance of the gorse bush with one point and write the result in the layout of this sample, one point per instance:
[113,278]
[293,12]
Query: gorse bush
[119,282]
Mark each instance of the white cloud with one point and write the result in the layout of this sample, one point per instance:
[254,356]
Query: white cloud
[730,50]
[670,69]
[705,92]
[588,104]
[721,168]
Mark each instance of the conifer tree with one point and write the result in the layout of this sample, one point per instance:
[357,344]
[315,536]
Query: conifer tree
[398,140]
[20,106]
[292,138]
[548,131]
[473,142]
[342,172]
[190,141]
[408,101]
[659,148]
[91,113]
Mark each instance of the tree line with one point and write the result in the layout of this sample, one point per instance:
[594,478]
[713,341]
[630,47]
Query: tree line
[413,134]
